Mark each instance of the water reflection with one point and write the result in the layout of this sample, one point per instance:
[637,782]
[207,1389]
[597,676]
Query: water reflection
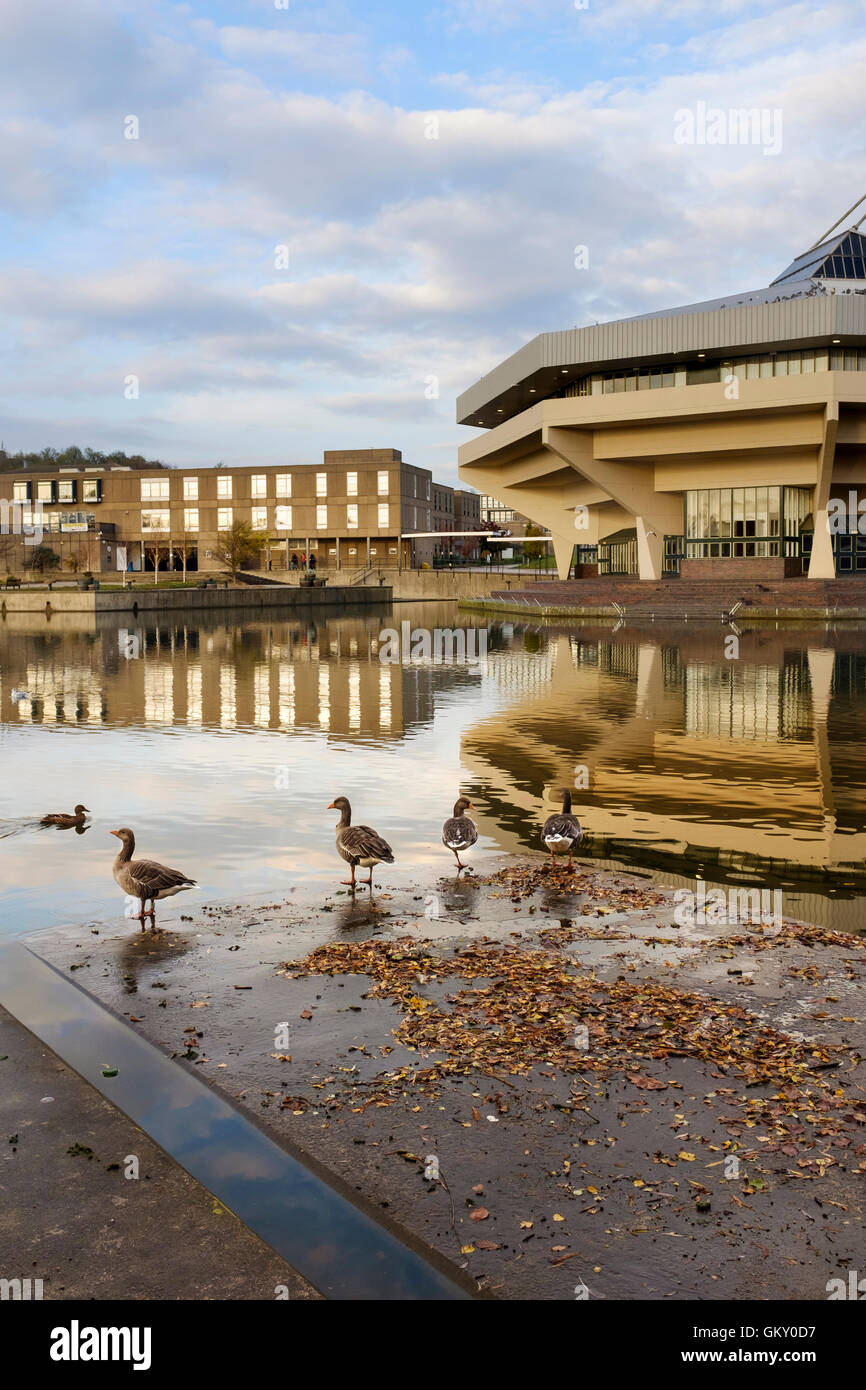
[222,743]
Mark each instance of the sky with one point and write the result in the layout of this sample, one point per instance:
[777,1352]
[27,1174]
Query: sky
[247,232]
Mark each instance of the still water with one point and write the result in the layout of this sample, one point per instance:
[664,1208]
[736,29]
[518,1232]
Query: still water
[221,741]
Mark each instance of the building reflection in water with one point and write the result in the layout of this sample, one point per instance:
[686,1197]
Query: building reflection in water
[680,757]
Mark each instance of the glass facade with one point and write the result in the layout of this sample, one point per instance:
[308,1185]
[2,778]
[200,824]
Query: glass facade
[745,522]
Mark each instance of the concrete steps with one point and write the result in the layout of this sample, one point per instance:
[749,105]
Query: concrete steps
[693,599]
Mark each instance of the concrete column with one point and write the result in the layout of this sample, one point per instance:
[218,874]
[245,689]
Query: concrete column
[650,550]
[822,562]
[563,548]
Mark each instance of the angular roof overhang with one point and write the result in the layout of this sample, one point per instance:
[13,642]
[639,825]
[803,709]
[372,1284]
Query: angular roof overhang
[552,361]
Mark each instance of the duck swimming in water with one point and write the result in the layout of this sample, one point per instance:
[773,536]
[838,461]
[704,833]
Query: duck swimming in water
[63,821]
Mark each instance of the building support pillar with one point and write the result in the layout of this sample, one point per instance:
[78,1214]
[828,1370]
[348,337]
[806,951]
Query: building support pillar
[650,550]
[822,562]
[563,549]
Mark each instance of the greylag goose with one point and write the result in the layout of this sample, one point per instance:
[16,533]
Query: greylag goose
[358,844]
[459,831]
[65,821]
[144,878]
[562,832]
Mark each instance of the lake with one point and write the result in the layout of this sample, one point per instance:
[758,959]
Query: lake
[222,741]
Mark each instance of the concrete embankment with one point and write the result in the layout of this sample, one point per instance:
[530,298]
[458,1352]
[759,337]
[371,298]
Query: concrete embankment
[240,598]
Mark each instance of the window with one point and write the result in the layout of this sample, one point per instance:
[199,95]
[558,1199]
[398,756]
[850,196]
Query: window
[91,490]
[66,490]
[20,492]
[259,485]
[154,520]
[428,518]
[225,517]
[224,488]
[351,485]
[321,484]
[54,520]
[260,518]
[352,516]
[414,484]
[152,490]
[321,518]
[284,518]
[428,489]
[190,489]
[383,513]
[190,518]
[284,484]
[45,491]
[383,483]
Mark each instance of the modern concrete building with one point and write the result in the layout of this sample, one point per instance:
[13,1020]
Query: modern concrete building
[351,513]
[719,439]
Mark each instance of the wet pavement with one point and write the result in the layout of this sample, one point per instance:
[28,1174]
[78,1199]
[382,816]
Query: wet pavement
[705,1140]
[94,1209]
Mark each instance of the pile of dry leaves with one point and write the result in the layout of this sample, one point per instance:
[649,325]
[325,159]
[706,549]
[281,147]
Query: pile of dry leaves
[529,1007]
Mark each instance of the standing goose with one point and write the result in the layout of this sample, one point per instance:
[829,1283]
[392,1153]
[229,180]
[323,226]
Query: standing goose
[358,844]
[64,821]
[145,879]
[459,831]
[562,832]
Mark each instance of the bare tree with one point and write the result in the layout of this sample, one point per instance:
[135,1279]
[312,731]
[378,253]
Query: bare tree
[157,547]
[237,546]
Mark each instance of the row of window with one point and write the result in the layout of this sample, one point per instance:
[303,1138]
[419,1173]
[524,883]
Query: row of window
[797,363]
[159,519]
[159,489]
[746,511]
[64,490]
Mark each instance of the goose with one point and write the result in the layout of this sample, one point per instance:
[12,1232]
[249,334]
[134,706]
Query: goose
[459,831]
[562,832]
[144,878]
[358,844]
[64,821]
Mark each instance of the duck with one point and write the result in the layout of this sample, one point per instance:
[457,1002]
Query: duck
[64,821]
[460,831]
[144,878]
[358,844]
[562,832]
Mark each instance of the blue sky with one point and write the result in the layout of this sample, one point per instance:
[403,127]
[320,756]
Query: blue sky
[409,258]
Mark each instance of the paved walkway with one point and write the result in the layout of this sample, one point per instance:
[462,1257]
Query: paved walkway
[70,1217]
